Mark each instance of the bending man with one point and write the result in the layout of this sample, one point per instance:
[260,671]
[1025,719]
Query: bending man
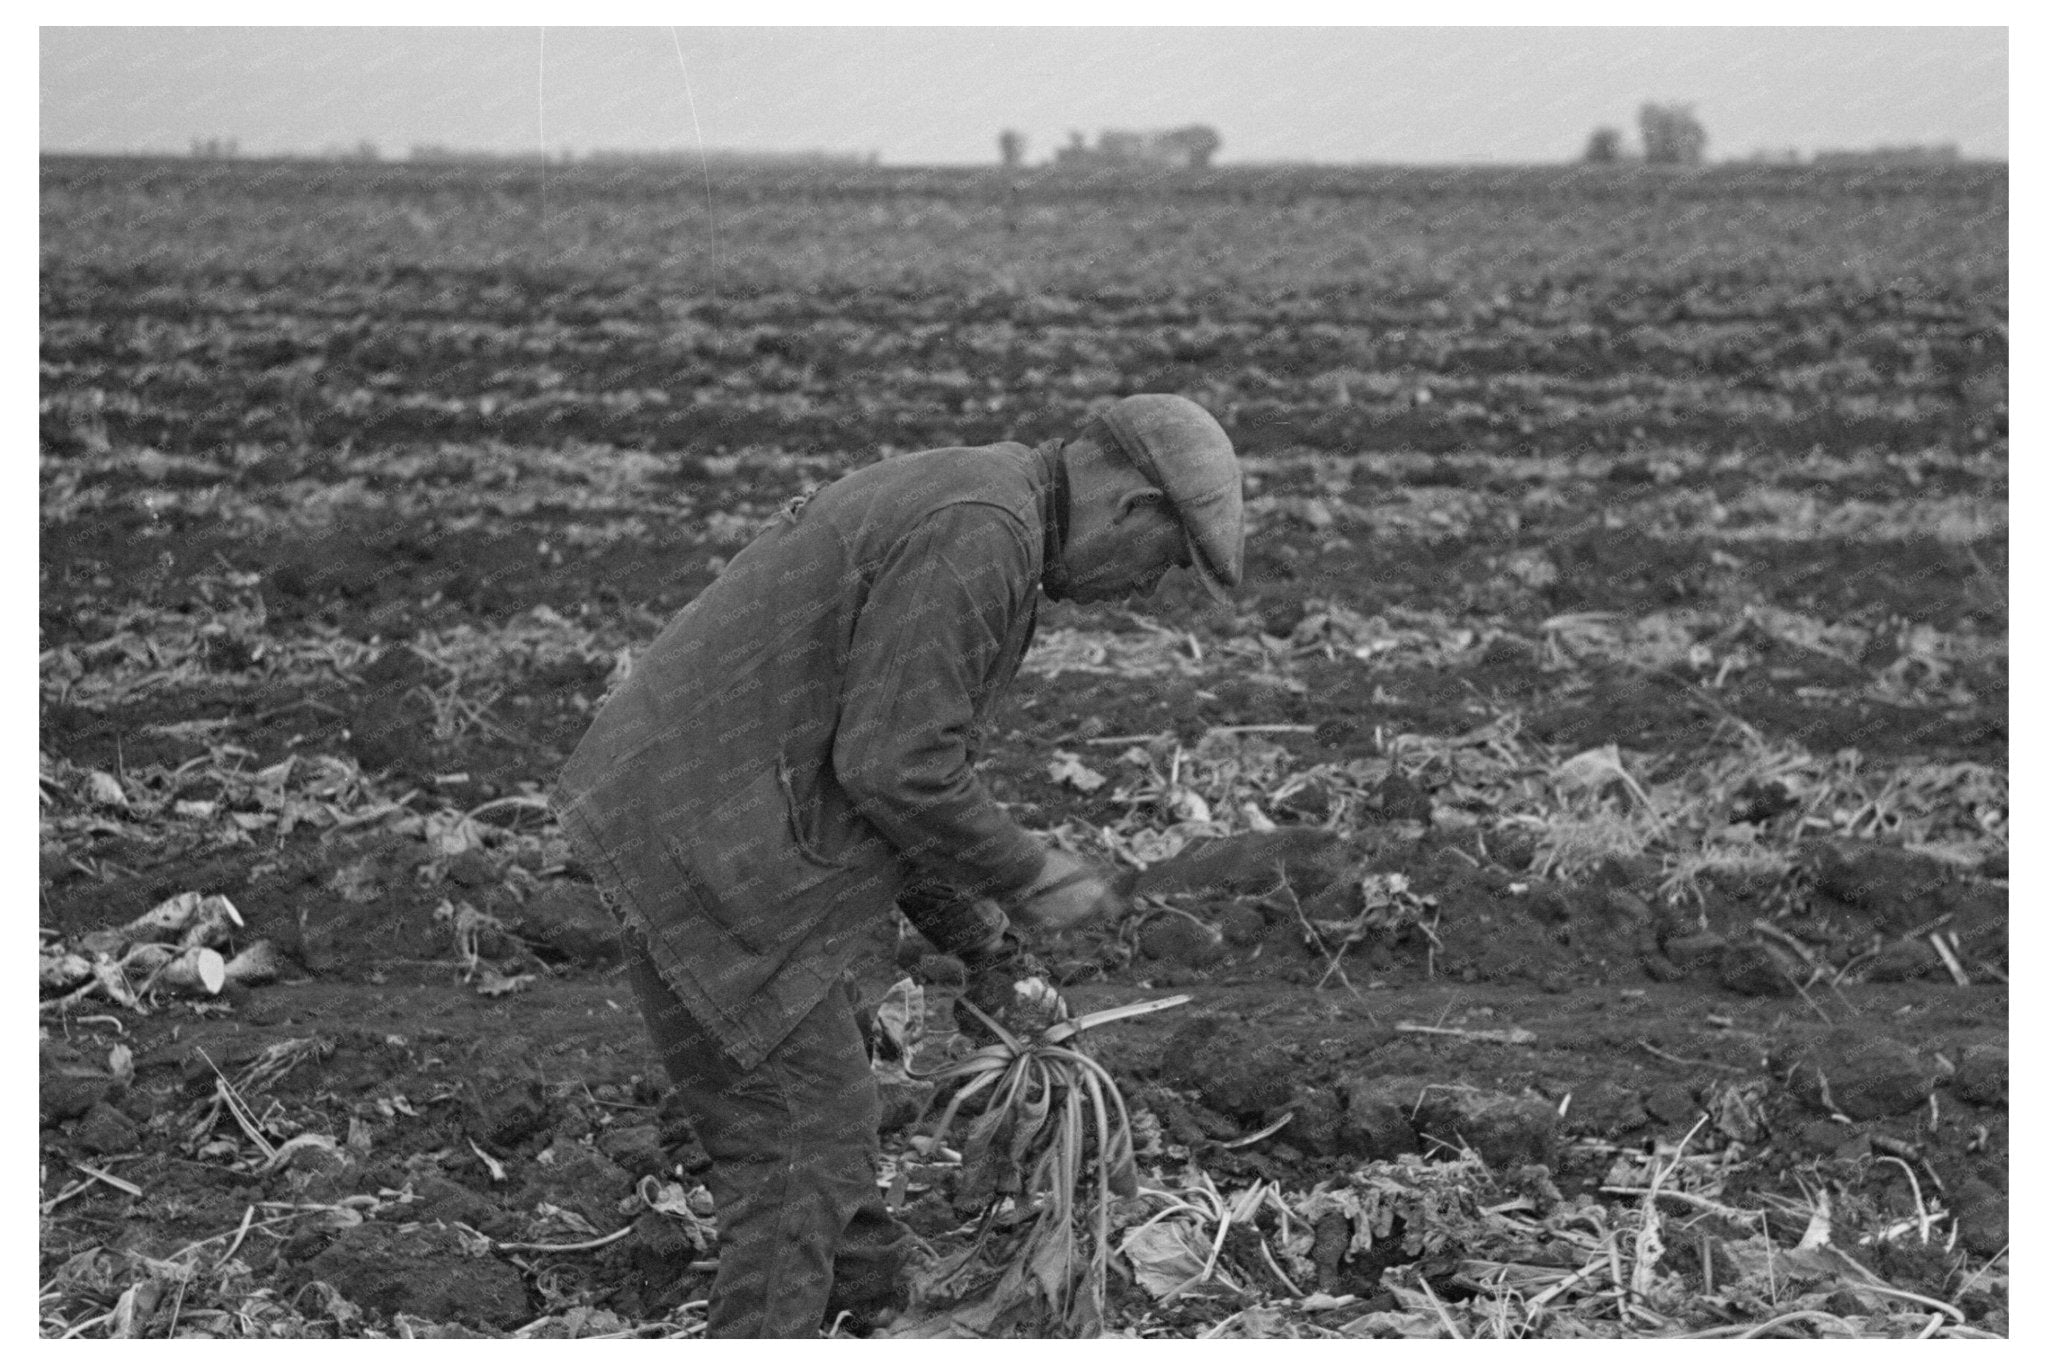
[793,756]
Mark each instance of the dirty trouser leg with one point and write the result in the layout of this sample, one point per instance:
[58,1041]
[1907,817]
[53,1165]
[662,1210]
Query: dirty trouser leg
[793,1147]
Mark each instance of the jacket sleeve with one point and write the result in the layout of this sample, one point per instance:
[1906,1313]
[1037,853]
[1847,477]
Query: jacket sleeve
[927,642]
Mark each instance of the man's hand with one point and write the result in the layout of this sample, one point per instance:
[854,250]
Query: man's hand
[1066,892]
[993,975]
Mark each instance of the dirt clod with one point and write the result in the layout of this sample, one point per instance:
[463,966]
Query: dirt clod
[1333,1239]
[1605,1107]
[1232,1067]
[508,1112]
[1890,884]
[472,869]
[438,1199]
[941,969]
[1402,798]
[71,1083]
[424,1270]
[1242,925]
[1753,968]
[104,1129]
[1981,1074]
[1863,1075]
[904,1100]
[1671,1104]
[1506,1130]
[583,1180]
[342,936]
[1178,939]
[1983,1217]
[1377,1118]
[1252,864]
[1904,959]
[1317,1125]
[637,1148]
[570,922]
[1695,950]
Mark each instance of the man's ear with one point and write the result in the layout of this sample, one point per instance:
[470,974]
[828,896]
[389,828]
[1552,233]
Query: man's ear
[1137,497]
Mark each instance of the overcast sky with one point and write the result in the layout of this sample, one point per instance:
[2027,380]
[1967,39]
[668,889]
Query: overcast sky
[929,95]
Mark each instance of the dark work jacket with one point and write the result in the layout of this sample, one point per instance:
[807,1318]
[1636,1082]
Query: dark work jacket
[796,743]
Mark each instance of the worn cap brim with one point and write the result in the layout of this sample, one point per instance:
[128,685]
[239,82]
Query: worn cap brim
[1212,584]
[1213,522]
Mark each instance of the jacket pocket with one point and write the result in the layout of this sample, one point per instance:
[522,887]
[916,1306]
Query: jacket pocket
[743,869]
[823,825]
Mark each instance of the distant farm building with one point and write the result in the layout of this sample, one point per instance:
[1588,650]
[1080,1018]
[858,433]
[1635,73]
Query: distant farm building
[1189,148]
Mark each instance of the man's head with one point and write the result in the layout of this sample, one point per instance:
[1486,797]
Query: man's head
[1153,484]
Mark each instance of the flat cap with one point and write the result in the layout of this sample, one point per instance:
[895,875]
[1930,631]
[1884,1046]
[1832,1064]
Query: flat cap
[1185,453]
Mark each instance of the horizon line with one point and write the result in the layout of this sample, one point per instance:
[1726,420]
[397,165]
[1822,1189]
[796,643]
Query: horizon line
[1917,156]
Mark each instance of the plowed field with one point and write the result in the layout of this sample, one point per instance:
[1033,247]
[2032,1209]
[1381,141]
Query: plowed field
[1605,762]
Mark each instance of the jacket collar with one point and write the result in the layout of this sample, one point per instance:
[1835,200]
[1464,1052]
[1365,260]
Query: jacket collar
[1054,500]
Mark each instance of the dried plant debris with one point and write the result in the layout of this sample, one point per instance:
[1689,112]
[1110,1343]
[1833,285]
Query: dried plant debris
[1405,1248]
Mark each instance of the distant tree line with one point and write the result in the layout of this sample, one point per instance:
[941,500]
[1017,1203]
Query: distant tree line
[1672,136]
[656,156]
[1192,147]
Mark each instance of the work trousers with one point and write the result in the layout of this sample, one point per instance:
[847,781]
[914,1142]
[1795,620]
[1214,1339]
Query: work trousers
[802,1227]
